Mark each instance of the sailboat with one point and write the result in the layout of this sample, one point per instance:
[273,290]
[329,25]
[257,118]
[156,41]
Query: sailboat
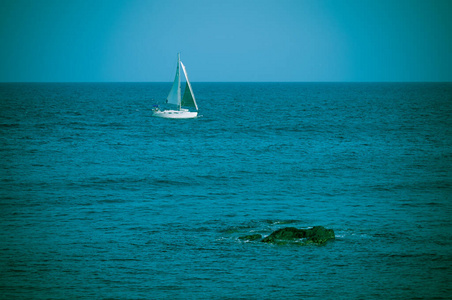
[184,107]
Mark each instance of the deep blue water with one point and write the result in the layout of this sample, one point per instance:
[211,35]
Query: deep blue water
[98,200]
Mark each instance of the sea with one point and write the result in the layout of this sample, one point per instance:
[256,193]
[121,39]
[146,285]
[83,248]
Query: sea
[100,200]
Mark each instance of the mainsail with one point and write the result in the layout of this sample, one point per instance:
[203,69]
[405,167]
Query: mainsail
[188,100]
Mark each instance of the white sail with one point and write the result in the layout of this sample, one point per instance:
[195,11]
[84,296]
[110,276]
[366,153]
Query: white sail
[174,94]
[189,98]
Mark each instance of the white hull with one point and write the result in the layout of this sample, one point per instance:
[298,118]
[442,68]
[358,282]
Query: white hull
[175,114]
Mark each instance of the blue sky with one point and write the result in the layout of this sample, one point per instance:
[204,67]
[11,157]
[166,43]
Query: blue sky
[244,40]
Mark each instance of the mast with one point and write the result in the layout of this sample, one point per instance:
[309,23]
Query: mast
[178,84]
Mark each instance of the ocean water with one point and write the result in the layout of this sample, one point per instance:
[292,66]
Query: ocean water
[98,200]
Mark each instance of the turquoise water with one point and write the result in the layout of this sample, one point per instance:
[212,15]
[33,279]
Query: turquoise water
[100,200]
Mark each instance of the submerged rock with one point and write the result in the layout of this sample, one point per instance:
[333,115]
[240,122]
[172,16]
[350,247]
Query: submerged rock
[251,237]
[317,235]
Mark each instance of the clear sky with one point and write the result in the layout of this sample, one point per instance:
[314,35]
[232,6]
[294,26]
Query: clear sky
[243,40]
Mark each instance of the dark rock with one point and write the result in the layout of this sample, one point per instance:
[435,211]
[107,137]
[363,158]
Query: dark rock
[317,235]
[251,237]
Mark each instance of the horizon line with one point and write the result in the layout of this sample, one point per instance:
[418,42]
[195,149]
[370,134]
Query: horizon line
[2,82]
